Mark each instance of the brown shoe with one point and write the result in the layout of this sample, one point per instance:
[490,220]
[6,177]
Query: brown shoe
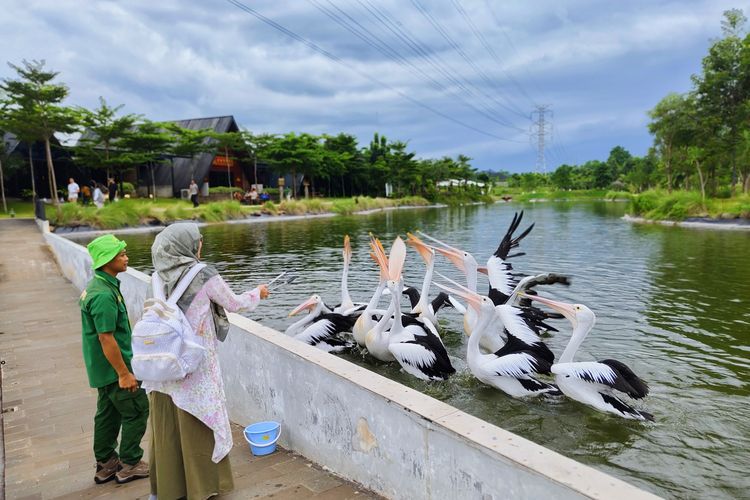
[132,472]
[106,471]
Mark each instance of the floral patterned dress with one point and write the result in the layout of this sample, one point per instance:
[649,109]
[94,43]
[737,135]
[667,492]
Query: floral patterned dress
[201,393]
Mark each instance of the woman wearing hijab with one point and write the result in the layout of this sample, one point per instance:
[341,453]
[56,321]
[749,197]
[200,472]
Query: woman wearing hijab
[191,436]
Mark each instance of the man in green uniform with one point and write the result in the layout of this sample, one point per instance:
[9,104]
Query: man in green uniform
[107,353]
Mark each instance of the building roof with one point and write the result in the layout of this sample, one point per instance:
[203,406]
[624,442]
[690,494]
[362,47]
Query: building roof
[187,168]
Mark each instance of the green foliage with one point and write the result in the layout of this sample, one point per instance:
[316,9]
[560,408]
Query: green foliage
[32,109]
[128,188]
[221,211]
[270,207]
[224,190]
[178,212]
[618,195]
[659,205]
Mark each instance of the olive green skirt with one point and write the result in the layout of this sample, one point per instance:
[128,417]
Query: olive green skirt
[180,455]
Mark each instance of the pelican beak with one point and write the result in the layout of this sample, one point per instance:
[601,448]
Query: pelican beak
[483,270]
[567,310]
[454,256]
[472,299]
[309,304]
[425,251]
[347,249]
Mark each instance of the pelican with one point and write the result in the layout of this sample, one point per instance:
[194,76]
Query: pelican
[594,382]
[347,306]
[415,343]
[513,367]
[465,262]
[423,307]
[377,338]
[321,327]
[367,320]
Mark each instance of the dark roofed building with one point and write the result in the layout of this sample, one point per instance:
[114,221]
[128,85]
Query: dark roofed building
[175,173]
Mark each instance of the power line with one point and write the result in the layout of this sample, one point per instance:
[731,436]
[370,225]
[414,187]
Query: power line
[491,51]
[371,39]
[340,61]
[451,42]
[382,16]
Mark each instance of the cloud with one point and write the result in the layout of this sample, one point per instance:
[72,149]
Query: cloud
[601,66]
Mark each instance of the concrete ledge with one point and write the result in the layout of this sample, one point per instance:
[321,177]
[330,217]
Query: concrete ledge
[396,441]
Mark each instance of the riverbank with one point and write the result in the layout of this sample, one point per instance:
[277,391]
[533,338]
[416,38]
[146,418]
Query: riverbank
[719,224]
[145,215]
[87,232]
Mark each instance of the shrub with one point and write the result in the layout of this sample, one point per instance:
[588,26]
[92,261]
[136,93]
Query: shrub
[222,210]
[128,188]
[724,192]
[178,212]
[292,207]
[645,202]
[224,190]
[270,208]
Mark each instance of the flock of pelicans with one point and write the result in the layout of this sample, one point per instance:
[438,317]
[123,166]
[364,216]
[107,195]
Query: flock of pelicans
[505,349]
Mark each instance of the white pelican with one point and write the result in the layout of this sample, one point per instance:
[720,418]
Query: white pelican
[415,343]
[347,306]
[369,316]
[465,262]
[594,382]
[377,338]
[423,307]
[512,368]
[321,327]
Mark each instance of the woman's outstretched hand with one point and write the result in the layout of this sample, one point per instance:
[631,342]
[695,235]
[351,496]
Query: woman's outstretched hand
[263,291]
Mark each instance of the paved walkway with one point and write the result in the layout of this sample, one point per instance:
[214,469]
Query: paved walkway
[48,407]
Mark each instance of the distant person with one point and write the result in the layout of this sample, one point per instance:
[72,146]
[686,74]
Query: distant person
[86,194]
[73,190]
[121,405]
[191,433]
[253,196]
[193,192]
[98,196]
[112,188]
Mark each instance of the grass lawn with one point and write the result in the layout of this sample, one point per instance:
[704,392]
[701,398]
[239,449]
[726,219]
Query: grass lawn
[22,209]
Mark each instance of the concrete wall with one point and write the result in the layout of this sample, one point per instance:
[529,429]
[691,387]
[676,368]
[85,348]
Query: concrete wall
[367,428]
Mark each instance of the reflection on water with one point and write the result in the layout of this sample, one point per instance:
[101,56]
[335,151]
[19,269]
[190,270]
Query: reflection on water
[671,303]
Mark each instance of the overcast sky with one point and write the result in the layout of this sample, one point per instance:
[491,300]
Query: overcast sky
[449,77]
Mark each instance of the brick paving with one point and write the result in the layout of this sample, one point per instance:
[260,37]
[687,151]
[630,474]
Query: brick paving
[48,408]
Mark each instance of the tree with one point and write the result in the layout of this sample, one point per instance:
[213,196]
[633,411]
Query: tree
[97,148]
[722,91]
[223,142]
[146,145]
[562,177]
[34,108]
[187,143]
[667,126]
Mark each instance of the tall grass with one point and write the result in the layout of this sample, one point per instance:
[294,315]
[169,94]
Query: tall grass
[221,210]
[679,205]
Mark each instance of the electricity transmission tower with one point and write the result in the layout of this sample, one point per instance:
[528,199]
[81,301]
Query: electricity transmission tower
[541,129]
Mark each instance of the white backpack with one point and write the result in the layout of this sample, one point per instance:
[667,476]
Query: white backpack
[165,347]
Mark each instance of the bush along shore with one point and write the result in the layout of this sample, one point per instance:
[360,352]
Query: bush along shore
[131,213]
[657,205]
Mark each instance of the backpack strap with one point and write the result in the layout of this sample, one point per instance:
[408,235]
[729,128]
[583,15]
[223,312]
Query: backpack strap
[157,286]
[184,283]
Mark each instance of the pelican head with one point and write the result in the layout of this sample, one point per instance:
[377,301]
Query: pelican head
[308,305]
[577,314]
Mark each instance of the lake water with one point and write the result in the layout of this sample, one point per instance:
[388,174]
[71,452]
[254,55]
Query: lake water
[672,303]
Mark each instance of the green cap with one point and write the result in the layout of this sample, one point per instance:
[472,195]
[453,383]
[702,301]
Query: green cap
[104,249]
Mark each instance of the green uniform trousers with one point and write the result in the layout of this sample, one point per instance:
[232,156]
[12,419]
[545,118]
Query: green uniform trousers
[117,408]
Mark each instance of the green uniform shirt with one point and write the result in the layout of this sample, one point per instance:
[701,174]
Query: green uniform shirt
[103,311]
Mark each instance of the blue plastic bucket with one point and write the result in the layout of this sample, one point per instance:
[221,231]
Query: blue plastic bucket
[262,437]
